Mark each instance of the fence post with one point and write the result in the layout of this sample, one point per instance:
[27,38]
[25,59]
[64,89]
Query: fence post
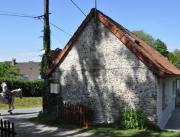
[86,118]
[83,117]
[13,130]
[6,129]
[80,112]
[70,113]
[1,128]
[73,114]
[65,110]
[9,129]
[61,110]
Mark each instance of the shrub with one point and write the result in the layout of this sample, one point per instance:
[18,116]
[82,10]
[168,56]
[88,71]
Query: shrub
[29,88]
[132,119]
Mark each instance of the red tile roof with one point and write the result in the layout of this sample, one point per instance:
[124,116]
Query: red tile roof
[148,55]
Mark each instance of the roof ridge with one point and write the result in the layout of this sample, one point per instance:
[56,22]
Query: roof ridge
[159,54]
[147,51]
[148,55]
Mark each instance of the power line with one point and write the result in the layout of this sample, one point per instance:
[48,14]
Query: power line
[60,29]
[16,15]
[78,8]
[57,39]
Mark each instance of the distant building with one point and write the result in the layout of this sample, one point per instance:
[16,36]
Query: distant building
[28,70]
[31,70]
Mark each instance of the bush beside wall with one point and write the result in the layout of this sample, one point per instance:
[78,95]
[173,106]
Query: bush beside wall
[132,119]
[29,88]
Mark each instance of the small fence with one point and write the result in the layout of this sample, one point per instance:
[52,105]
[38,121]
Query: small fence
[7,129]
[72,114]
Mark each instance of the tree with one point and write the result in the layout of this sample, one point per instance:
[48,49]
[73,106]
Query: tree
[145,37]
[172,57]
[161,47]
[155,43]
[177,54]
[8,71]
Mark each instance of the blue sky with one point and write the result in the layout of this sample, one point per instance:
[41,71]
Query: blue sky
[20,38]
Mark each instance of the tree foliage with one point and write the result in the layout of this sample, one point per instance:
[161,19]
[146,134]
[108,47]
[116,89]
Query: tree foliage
[177,55]
[156,43]
[145,37]
[160,46]
[8,71]
[29,88]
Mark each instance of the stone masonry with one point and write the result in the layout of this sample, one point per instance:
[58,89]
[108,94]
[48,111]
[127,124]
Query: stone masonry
[102,73]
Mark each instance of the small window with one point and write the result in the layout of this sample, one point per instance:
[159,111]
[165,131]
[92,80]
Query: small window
[164,103]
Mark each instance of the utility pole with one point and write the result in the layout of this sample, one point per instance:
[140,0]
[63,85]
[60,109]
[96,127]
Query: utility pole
[46,27]
[95,6]
[46,59]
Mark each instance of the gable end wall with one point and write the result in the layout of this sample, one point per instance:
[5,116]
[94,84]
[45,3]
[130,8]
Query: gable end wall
[100,72]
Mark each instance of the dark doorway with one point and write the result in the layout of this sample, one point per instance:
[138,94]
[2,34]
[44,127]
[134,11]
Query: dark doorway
[176,86]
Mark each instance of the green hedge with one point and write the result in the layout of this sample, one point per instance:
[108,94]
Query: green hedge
[29,88]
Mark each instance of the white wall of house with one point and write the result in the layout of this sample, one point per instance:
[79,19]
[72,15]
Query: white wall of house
[164,112]
[101,72]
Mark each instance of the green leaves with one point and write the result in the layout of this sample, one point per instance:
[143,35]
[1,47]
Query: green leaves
[8,71]
[156,43]
[160,46]
[145,37]
[29,88]
[132,119]
[176,53]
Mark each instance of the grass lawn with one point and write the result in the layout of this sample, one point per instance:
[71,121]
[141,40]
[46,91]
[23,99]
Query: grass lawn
[106,131]
[113,132]
[25,102]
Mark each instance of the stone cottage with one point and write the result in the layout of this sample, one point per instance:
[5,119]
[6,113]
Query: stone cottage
[108,68]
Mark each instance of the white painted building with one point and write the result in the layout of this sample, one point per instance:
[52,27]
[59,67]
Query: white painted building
[108,68]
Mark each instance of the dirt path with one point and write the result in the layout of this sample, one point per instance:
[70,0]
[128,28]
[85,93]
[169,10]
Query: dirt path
[25,128]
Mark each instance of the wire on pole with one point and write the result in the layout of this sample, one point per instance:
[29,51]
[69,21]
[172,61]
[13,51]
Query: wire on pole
[78,8]
[60,29]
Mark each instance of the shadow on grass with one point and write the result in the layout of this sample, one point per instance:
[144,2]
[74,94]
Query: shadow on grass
[113,132]
[103,131]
